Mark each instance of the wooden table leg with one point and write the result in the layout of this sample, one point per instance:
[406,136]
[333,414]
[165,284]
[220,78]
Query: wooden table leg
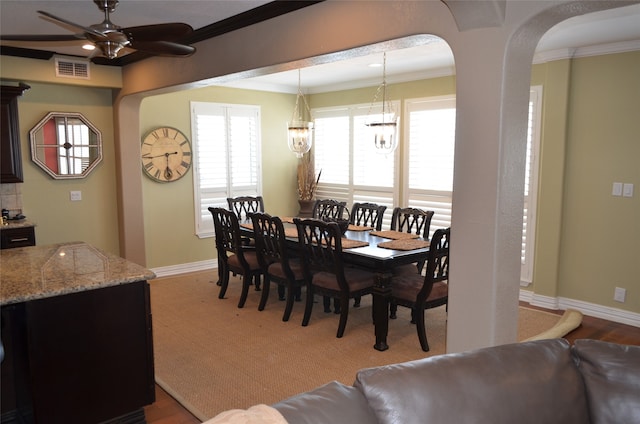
[381,294]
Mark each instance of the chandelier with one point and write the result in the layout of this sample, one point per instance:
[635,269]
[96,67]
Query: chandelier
[383,127]
[299,131]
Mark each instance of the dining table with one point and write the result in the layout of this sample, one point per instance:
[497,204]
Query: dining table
[377,251]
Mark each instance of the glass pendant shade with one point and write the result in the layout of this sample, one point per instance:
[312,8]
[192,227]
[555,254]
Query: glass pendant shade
[300,131]
[300,137]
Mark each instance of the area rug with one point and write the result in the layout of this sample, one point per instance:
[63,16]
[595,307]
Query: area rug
[211,356]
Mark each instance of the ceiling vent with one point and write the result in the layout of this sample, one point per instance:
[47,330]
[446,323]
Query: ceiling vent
[72,68]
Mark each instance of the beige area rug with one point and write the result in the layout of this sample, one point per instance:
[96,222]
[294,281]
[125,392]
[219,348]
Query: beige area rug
[211,356]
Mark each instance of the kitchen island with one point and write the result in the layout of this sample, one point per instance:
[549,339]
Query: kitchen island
[76,332]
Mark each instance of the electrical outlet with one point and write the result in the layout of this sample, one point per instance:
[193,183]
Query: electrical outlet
[619,294]
[75,196]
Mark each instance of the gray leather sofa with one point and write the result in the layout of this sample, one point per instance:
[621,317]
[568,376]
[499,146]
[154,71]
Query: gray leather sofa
[539,382]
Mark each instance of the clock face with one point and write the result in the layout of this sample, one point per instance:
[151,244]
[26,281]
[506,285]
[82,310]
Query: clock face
[165,154]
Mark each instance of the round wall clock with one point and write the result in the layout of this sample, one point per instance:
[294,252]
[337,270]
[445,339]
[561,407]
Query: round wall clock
[165,154]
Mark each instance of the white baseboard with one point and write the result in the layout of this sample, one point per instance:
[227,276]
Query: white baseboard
[168,271]
[590,309]
[555,303]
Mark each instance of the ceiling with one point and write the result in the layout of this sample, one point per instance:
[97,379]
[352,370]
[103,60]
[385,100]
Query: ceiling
[428,56]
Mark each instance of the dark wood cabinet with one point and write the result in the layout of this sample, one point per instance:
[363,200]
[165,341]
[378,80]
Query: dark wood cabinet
[79,358]
[17,237]
[10,152]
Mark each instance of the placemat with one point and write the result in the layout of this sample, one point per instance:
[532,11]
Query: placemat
[350,243]
[287,219]
[404,244]
[247,225]
[358,228]
[395,235]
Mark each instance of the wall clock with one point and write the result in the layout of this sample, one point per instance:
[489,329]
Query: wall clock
[165,154]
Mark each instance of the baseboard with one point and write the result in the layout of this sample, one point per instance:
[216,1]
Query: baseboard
[589,309]
[168,271]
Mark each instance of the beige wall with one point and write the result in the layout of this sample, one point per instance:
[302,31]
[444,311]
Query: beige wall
[169,217]
[46,201]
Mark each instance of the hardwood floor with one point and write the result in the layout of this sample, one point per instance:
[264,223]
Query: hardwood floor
[167,410]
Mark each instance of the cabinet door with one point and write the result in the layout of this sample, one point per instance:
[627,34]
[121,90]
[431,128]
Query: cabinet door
[10,153]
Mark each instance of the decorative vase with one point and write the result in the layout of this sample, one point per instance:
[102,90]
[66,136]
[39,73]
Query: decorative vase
[306,208]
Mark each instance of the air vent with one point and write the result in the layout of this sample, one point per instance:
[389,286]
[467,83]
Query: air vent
[72,68]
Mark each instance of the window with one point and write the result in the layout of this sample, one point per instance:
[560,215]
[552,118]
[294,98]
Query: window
[352,171]
[429,175]
[226,145]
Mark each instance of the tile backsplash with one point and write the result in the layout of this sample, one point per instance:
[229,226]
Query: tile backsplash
[11,198]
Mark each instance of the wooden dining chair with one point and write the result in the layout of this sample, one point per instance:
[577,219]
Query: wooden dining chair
[233,255]
[367,214]
[324,270]
[244,205]
[420,293]
[277,264]
[412,221]
[328,209]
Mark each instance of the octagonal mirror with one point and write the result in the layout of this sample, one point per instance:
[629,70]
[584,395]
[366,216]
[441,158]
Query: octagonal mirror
[66,145]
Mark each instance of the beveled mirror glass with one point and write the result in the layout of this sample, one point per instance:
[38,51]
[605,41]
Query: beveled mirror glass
[66,145]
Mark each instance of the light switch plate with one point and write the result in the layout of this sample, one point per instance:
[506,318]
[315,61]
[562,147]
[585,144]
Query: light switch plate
[617,189]
[627,190]
[75,196]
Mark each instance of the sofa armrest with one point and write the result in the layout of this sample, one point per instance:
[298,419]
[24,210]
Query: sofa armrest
[332,403]
[534,382]
[611,375]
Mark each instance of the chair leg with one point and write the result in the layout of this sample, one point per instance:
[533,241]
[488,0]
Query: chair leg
[393,310]
[356,301]
[326,302]
[308,307]
[421,329]
[289,305]
[265,293]
[246,282]
[224,283]
[344,314]
[281,292]
[256,280]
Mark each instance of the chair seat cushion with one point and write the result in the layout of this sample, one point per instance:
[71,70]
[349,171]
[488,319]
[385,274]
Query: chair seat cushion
[277,270]
[407,286]
[357,279]
[250,256]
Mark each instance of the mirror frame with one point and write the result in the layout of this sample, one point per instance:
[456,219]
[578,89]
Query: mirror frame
[36,137]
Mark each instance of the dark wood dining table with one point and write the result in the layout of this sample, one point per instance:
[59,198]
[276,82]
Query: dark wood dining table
[378,259]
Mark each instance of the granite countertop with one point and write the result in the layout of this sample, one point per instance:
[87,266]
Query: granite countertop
[17,224]
[36,272]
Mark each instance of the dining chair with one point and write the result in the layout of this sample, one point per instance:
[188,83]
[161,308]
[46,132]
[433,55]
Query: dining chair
[328,208]
[413,221]
[367,214]
[420,293]
[233,255]
[276,262]
[244,205]
[325,274]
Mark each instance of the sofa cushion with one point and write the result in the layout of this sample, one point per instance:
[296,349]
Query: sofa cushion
[611,375]
[535,382]
[332,403]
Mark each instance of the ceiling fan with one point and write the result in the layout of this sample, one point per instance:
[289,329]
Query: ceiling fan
[110,39]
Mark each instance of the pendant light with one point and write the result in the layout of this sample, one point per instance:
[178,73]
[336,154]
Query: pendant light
[299,131]
[384,127]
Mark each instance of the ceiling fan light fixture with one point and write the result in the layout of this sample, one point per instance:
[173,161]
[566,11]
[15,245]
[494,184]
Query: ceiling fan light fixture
[299,130]
[109,49]
[89,46]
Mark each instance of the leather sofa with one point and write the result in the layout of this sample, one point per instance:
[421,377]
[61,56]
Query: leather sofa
[545,381]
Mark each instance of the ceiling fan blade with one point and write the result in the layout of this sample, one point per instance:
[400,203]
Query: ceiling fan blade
[166,32]
[72,24]
[43,37]
[162,48]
